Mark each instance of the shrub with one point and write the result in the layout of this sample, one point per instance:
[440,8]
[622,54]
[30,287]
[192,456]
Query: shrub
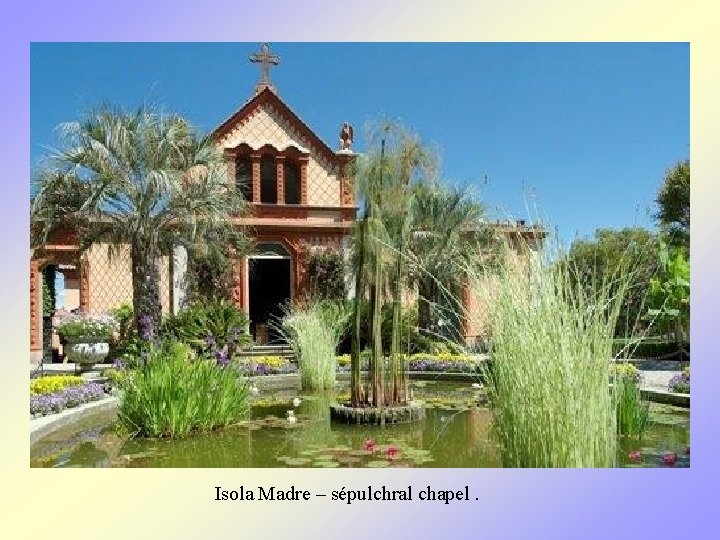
[54,383]
[79,325]
[326,275]
[174,394]
[313,329]
[210,327]
[650,348]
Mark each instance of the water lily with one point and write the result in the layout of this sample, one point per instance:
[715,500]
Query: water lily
[669,458]
[392,452]
[476,385]
[254,390]
[291,416]
[296,402]
[369,445]
[635,455]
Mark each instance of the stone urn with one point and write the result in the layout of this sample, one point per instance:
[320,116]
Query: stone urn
[86,352]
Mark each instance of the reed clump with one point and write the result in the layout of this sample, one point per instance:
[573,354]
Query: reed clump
[552,341]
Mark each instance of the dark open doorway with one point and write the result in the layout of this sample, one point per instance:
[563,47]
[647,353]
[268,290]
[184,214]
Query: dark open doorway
[269,291]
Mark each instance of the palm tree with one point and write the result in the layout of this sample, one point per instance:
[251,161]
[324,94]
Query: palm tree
[140,179]
[447,235]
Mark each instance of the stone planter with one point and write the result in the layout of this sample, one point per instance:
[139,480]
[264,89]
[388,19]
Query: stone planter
[86,352]
[343,412]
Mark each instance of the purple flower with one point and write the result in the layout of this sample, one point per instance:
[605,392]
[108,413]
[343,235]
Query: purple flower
[222,358]
[118,364]
[210,340]
[147,330]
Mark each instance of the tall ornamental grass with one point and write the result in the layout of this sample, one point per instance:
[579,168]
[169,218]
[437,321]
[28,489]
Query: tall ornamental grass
[174,394]
[551,350]
[313,330]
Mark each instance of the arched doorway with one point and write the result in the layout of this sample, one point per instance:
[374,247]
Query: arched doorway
[269,288]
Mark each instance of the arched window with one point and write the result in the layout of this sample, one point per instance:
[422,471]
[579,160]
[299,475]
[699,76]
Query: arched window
[292,183]
[268,180]
[243,177]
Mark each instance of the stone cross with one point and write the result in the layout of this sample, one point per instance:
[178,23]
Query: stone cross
[265,58]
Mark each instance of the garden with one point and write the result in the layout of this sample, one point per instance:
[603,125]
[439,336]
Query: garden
[379,378]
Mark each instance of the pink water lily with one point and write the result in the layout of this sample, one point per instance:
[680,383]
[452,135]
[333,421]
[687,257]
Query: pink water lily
[392,452]
[670,458]
[635,455]
[369,445]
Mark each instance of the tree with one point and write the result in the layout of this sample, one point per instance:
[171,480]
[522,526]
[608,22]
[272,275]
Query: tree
[673,200]
[446,235]
[608,254]
[669,295]
[384,178]
[140,179]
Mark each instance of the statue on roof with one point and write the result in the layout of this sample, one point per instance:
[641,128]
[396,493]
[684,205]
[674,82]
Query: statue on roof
[346,137]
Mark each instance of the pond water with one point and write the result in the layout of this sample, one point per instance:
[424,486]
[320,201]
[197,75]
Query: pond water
[455,433]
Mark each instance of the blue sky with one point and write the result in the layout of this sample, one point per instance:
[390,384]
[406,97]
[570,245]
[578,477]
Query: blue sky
[584,132]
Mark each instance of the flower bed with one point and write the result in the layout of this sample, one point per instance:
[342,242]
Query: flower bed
[266,365]
[70,396]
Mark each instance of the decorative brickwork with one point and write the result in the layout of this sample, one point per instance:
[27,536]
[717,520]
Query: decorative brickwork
[280,171]
[255,177]
[35,306]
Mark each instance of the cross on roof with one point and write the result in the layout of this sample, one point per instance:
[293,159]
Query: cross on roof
[265,58]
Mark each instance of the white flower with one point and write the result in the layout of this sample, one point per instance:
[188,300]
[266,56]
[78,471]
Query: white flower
[476,385]
[254,390]
[296,402]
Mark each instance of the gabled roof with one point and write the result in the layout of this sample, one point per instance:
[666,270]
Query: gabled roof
[267,97]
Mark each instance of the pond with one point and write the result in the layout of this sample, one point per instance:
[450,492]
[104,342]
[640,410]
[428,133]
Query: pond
[455,433]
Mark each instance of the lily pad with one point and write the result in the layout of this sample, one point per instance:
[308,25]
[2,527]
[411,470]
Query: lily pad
[326,464]
[348,460]
[297,461]
[360,452]
[378,463]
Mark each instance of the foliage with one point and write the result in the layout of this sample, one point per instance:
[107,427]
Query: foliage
[141,179]
[210,327]
[631,250]
[209,274]
[313,329]
[48,290]
[632,411]
[680,383]
[548,382]
[673,200]
[669,295]
[175,393]
[412,339]
[54,383]
[79,325]
[326,275]
[72,395]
